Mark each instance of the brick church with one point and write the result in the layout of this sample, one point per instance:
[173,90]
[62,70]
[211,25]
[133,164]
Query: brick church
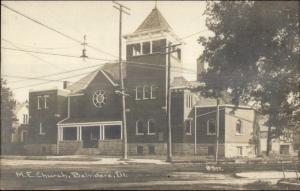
[85,117]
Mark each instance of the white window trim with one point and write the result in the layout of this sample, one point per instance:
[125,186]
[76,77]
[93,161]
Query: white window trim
[45,101]
[242,130]
[239,148]
[190,127]
[151,92]
[136,128]
[136,93]
[207,124]
[144,92]
[41,129]
[148,132]
[38,102]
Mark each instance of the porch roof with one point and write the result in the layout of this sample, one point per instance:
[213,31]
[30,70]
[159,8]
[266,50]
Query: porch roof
[77,121]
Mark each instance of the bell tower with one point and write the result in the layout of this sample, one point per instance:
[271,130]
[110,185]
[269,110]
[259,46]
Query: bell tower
[145,51]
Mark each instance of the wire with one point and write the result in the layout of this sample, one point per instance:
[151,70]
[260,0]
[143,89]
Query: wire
[43,48]
[53,54]
[56,74]
[37,57]
[30,78]
[55,80]
[52,29]
[188,36]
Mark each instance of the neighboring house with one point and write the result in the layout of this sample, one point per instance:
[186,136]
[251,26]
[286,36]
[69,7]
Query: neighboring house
[20,127]
[283,145]
[86,117]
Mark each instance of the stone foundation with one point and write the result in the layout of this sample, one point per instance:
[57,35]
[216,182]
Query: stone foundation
[69,147]
[189,149]
[231,150]
[159,148]
[111,147]
[40,149]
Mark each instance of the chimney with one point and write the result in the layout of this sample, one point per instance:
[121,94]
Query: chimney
[200,70]
[65,84]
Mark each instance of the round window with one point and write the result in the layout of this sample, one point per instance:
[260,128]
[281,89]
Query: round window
[99,98]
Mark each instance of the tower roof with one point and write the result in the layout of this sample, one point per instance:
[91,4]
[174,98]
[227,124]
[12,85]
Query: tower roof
[154,20]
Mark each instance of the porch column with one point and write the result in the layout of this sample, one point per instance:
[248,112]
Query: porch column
[77,133]
[61,133]
[80,133]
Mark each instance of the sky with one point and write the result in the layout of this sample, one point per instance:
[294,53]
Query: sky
[99,21]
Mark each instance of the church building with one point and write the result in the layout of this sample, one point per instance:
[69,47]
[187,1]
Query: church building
[86,116]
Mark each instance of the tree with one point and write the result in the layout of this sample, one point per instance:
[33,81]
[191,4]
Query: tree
[8,105]
[254,53]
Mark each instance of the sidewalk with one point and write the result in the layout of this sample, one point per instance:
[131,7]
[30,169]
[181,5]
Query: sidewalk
[73,159]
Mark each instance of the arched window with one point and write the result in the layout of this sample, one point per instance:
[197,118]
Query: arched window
[238,127]
[211,127]
[151,127]
[139,127]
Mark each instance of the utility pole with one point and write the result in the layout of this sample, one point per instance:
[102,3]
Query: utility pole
[121,7]
[217,133]
[171,49]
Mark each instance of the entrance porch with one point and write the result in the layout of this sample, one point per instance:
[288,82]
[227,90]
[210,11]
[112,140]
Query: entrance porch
[79,138]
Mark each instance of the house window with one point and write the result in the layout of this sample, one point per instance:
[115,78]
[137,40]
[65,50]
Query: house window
[138,93]
[139,150]
[188,127]
[42,129]
[136,49]
[156,46]
[151,150]
[146,92]
[153,91]
[211,127]
[46,101]
[39,102]
[69,133]
[112,132]
[139,127]
[25,119]
[146,48]
[238,127]
[151,127]
[240,151]
[211,150]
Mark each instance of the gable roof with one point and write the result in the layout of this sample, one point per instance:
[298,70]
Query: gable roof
[154,20]
[84,82]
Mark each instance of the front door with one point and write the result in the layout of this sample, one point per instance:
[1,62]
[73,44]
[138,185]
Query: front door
[90,137]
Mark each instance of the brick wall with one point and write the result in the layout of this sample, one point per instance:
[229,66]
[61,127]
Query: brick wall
[111,147]
[160,148]
[201,149]
[40,149]
[231,150]
[69,147]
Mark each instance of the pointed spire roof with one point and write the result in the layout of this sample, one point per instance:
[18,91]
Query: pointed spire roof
[154,20]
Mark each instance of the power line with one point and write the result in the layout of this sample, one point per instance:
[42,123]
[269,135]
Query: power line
[188,36]
[56,80]
[52,29]
[53,54]
[56,74]
[37,57]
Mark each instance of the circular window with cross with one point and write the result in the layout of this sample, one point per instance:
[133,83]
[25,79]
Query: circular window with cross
[99,98]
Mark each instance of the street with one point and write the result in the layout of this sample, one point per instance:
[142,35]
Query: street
[135,174]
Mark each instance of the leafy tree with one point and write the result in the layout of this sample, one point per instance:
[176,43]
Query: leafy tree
[8,105]
[254,53]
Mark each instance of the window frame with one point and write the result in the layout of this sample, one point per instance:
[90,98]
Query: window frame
[190,126]
[208,127]
[137,127]
[134,49]
[38,102]
[148,127]
[137,93]
[239,150]
[46,97]
[144,44]
[241,128]
[152,89]
[160,45]
[144,92]
[42,132]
